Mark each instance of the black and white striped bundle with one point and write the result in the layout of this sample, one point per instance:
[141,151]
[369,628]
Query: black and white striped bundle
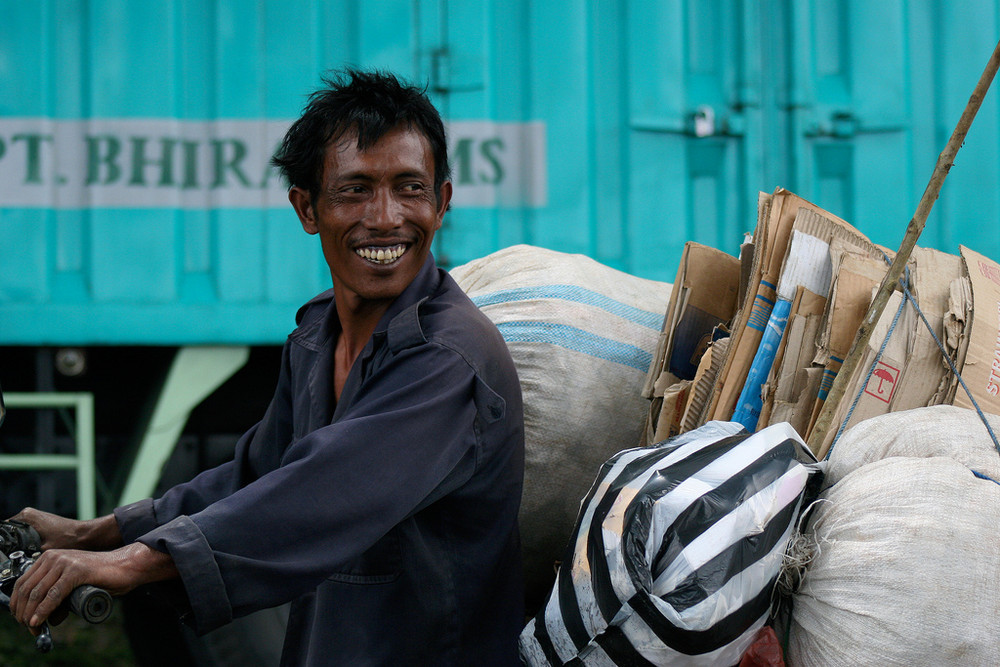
[675,552]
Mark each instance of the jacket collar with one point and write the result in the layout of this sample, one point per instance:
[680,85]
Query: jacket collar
[401,317]
[400,325]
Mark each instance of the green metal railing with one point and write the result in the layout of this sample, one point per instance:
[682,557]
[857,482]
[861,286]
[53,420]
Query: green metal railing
[82,461]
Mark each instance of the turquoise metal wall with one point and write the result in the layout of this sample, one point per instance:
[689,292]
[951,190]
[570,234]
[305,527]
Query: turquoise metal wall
[874,90]
[655,122]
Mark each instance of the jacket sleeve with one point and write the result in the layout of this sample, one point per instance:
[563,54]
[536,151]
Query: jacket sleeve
[210,486]
[409,438]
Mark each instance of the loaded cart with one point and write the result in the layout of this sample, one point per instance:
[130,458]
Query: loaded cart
[818,467]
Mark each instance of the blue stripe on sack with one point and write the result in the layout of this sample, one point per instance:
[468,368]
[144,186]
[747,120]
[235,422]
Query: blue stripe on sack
[575,294]
[578,340]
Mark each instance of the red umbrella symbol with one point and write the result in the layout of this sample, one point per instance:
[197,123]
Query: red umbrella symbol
[883,376]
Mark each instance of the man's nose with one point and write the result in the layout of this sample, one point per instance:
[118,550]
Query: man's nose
[385,211]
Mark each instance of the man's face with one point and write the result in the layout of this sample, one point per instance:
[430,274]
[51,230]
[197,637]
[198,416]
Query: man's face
[376,214]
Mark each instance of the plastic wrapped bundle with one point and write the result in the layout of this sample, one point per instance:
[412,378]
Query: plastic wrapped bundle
[676,551]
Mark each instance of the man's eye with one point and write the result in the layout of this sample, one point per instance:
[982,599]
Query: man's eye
[352,190]
[413,187]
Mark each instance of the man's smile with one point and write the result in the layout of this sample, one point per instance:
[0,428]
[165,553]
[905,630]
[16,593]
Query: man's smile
[380,255]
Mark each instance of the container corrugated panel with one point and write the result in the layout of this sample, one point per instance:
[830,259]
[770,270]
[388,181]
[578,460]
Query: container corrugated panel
[136,206]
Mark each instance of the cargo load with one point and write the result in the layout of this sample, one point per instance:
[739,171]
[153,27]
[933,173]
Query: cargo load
[912,482]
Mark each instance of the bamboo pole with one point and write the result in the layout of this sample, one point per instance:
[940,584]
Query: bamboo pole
[891,281]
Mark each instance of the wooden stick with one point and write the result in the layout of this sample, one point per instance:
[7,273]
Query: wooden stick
[891,281]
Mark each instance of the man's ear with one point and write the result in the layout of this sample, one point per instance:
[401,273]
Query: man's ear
[302,203]
[444,200]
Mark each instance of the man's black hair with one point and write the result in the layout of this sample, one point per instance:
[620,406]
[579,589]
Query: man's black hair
[368,103]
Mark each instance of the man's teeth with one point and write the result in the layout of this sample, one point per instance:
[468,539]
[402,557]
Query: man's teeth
[382,255]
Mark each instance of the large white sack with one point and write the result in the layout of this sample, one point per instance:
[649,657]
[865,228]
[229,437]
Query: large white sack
[906,559]
[918,433]
[582,336]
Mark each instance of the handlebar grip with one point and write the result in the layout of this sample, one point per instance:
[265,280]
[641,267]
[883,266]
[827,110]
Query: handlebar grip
[90,603]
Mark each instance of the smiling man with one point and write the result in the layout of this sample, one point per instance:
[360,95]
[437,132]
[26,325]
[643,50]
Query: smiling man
[379,493]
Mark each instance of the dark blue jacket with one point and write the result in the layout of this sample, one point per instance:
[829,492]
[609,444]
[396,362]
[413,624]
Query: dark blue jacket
[389,518]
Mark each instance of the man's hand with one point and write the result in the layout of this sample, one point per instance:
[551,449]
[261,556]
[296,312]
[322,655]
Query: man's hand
[61,533]
[42,589]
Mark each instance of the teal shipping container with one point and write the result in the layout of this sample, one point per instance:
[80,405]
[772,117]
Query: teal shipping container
[137,207]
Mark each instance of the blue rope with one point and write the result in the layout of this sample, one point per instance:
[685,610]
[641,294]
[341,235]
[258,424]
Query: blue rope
[904,282]
[951,365]
[982,476]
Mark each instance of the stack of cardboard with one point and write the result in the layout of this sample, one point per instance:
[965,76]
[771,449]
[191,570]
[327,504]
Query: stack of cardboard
[759,340]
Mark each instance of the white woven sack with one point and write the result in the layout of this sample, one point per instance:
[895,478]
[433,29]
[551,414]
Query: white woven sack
[582,336]
[905,570]
[941,430]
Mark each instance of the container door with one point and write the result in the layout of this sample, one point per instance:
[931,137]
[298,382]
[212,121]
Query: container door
[694,127]
[875,90]
[474,56]
[851,125]
[451,57]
